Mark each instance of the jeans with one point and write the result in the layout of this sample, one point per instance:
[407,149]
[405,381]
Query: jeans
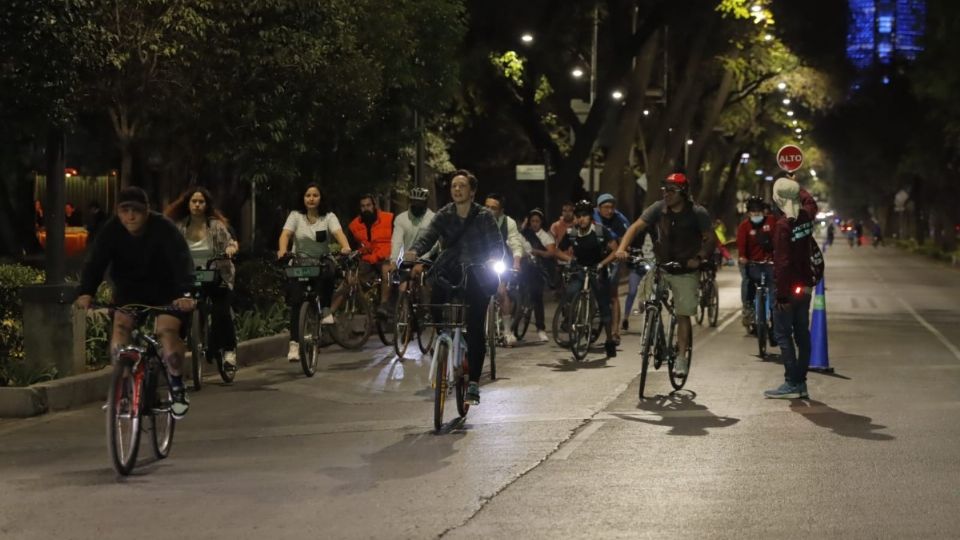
[601,291]
[636,276]
[533,279]
[792,329]
[750,276]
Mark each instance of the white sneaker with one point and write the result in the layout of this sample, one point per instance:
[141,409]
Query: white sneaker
[327,320]
[509,338]
[293,354]
[542,336]
[230,359]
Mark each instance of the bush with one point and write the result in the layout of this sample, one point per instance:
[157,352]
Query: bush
[255,323]
[12,278]
[259,285]
[97,344]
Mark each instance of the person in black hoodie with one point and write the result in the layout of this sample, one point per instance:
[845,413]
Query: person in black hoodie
[150,264]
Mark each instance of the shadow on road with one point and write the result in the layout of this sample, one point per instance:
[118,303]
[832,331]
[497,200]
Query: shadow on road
[417,454]
[841,423]
[681,413]
[568,364]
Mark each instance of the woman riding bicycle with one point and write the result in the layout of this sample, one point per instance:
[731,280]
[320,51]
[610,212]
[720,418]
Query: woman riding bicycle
[468,235]
[310,227]
[593,246]
[208,236]
[541,245]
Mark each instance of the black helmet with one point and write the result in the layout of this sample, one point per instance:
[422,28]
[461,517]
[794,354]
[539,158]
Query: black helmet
[583,207]
[756,204]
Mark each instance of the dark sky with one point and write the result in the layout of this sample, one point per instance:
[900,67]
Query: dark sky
[815,29]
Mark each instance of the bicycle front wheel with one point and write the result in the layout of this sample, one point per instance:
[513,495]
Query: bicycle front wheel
[713,308]
[123,417]
[403,326]
[353,321]
[677,381]
[580,328]
[761,324]
[461,388]
[560,325]
[440,385]
[651,328]
[162,422]
[491,330]
[197,340]
[309,338]
[702,301]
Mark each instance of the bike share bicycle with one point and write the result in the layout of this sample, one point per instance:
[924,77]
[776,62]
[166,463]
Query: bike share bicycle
[139,388]
[654,344]
[205,281]
[493,326]
[305,270]
[762,325]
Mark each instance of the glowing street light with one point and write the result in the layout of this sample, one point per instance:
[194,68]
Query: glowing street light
[689,142]
[795,122]
[646,112]
[527,38]
[782,86]
[577,73]
[786,101]
[758,172]
[756,8]
[813,173]
[768,37]
[798,130]
[789,113]
[617,95]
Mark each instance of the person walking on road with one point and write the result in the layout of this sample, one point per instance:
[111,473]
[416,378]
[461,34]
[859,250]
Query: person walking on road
[792,247]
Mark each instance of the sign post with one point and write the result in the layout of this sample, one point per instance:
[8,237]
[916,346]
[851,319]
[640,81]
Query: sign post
[790,158]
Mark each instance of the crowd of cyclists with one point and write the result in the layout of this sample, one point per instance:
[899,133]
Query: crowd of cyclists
[152,257]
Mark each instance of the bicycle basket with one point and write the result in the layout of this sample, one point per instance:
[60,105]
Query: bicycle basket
[205,276]
[451,315]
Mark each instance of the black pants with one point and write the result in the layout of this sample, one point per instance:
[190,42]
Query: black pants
[477,302]
[297,293]
[223,334]
[534,281]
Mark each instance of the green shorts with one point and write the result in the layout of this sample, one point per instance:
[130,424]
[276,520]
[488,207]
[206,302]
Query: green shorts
[685,289]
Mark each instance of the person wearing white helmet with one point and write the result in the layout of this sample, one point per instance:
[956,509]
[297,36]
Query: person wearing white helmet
[409,226]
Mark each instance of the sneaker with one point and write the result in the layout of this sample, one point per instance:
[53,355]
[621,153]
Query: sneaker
[181,403]
[230,359]
[803,391]
[542,336]
[327,320]
[680,366]
[786,391]
[509,338]
[610,348]
[473,394]
[293,354]
[625,325]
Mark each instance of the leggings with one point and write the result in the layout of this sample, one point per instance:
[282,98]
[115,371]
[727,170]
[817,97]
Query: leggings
[296,294]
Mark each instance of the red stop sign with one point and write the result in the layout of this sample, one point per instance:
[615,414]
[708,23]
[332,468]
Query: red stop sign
[790,158]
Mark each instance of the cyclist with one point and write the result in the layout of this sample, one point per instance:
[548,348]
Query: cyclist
[559,229]
[513,244]
[208,236]
[592,245]
[373,230]
[149,264]
[616,223]
[684,234]
[468,234]
[409,226]
[754,245]
[542,248]
[310,227]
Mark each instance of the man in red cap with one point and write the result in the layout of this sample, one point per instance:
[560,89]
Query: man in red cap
[684,236]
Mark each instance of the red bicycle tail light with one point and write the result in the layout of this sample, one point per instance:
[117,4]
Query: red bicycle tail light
[797,290]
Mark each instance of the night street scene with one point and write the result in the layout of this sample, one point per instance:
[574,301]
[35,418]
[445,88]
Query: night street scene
[302,269]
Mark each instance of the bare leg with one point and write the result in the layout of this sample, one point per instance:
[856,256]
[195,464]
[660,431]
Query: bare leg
[684,332]
[174,349]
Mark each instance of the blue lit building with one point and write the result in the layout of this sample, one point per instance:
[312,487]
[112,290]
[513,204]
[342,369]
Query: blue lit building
[883,30]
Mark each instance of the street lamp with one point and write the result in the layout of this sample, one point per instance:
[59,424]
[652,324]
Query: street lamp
[758,172]
[646,112]
[756,8]
[789,113]
[768,37]
[813,173]
[786,101]
[527,38]
[617,95]
[798,130]
[577,73]
[782,86]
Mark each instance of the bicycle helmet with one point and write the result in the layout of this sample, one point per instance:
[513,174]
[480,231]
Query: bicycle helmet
[419,194]
[755,204]
[583,207]
[677,181]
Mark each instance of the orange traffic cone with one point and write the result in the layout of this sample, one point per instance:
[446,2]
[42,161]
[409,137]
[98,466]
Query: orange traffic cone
[819,354]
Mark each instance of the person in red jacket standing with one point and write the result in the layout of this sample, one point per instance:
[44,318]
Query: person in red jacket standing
[792,238]
[754,248]
[373,230]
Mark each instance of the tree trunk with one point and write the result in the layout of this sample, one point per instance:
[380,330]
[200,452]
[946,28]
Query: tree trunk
[725,206]
[705,135]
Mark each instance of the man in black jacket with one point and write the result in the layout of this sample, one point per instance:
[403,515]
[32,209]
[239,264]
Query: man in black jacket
[150,264]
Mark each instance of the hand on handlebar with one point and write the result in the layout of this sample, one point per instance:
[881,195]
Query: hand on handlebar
[185,304]
[621,255]
[346,250]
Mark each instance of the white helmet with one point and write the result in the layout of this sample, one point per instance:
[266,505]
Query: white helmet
[419,194]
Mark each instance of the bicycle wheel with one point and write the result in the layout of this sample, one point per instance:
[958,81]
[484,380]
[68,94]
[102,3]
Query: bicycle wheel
[651,323]
[713,309]
[701,302]
[440,385]
[761,324]
[580,328]
[461,388]
[309,326]
[523,320]
[385,326]
[123,417]
[197,340]
[677,381]
[596,325]
[560,323]
[490,329]
[403,325]
[353,321]
[162,422]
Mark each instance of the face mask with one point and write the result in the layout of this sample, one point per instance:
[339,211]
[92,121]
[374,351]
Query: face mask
[418,210]
[756,219]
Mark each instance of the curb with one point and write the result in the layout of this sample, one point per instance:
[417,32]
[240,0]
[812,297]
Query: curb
[77,390]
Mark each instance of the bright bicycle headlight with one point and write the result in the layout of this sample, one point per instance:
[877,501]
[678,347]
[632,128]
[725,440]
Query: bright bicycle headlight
[499,267]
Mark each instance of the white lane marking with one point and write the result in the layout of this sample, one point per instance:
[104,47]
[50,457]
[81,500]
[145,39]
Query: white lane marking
[716,332]
[577,441]
[923,322]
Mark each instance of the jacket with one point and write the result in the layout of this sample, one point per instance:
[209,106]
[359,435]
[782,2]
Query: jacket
[376,241]
[791,248]
[749,236]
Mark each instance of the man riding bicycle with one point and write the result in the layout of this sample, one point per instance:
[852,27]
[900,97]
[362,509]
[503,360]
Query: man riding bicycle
[684,235]
[592,245]
[513,244]
[468,235]
[616,224]
[150,264]
[410,225]
[755,245]
[373,230]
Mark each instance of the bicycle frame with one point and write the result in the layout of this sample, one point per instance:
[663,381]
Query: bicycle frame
[457,346]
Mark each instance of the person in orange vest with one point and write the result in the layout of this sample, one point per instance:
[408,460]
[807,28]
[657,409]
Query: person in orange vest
[373,231]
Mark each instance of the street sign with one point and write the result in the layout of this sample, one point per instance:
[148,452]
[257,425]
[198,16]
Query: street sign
[531,172]
[790,158]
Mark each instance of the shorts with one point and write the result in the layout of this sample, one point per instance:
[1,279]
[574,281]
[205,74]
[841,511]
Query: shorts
[685,289]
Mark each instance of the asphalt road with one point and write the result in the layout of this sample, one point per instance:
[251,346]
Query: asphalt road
[556,449]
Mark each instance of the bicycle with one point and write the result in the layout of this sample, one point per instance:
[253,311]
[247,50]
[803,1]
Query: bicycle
[653,343]
[137,390]
[449,365]
[561,317]
[583,311]
[409,317]
[205,281]
[354,317]
[709,296]
[305,270]
[762,309]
